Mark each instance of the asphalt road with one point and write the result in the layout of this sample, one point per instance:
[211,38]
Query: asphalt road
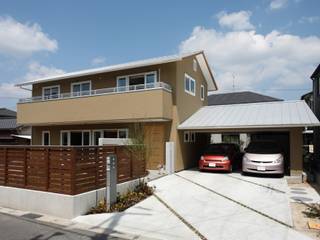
[19,228]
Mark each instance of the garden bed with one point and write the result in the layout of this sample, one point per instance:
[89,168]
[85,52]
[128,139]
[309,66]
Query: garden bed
[141,192]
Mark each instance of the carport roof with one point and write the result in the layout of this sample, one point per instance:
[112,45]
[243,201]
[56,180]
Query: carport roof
[281,114]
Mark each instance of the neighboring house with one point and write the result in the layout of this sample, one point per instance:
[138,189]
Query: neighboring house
[316,109]
[79,108]
[308,132]
[242,139]
[10,133]
[239,97]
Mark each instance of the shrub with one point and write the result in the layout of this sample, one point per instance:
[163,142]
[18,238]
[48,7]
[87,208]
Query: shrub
[141,192]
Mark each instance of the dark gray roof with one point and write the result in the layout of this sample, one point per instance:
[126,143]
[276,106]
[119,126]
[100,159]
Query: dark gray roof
[239,97]
[7,113]
[316,73]
[8,123]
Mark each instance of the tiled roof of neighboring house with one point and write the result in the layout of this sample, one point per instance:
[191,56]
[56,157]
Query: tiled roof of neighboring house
[7,113]
[277,114]
[316,73]
[239,97]
[200,56]
[8,123]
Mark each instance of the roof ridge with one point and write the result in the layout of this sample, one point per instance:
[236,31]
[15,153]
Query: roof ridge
[256,103]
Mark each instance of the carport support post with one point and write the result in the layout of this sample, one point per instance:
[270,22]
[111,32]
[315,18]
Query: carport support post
[111,180]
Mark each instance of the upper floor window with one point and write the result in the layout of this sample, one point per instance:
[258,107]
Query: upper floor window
[81,88]
[136,81]
[189,85]
[50,92]
[202,92]
[195,65]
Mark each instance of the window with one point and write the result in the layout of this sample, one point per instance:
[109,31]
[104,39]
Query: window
[81,88]
[64,138]
[45,138]
[75,138]
[96,135]
[189,85]
[150,80]
[51,92]
[136,81]
[192,137]
[116,133]
[202,92]
[122,84]
[195,65]
[123,133]
[231,138]
[186,136]
[189,137]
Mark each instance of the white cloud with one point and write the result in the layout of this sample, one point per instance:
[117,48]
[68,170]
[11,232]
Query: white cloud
[236,20]
[277,4]
[311,19]
[9,91]
[257,61]
[22,39]
[37,71]
[98,61]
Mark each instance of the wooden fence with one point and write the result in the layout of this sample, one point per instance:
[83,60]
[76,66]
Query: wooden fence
[67,170]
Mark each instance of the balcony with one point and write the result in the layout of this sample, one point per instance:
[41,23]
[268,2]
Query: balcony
[119,104]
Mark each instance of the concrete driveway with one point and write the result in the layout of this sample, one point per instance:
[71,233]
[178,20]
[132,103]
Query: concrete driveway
[196,205]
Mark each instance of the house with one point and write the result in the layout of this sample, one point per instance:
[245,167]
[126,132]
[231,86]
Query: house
[239,97]
[315,77]
[10,133]
[242,139]
[166,100]
[80,107]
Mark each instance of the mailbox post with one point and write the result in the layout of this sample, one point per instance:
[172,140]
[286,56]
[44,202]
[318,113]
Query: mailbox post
[111,180]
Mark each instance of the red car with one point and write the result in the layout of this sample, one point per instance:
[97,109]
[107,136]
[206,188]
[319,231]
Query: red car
[220,157]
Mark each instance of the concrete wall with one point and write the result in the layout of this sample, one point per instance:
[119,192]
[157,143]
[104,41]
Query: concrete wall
[54,204]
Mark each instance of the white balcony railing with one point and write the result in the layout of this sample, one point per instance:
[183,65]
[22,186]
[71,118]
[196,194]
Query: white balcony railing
[102,91]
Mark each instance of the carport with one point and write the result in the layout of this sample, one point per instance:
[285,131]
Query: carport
[282,121]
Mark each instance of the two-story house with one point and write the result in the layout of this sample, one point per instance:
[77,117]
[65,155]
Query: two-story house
[316,109]
[78,108]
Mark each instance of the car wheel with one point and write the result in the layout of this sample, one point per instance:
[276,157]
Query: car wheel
[244,173]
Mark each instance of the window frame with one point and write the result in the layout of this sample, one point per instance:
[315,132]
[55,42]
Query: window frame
[50,87]
[69,136]
[80,83]
[186,136]
[127,77]
[189,79]
[49,137]
[202,91]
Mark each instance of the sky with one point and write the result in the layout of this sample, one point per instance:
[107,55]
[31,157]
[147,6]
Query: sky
[267,46]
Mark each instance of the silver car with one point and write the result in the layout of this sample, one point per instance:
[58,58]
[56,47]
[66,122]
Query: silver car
[263,157]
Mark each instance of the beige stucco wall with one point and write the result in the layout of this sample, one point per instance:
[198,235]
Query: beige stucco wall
[185,106]
[150,104]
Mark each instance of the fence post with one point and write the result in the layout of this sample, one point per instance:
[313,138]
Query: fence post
[73,170]
[25,167]
[5,167]
[46,158]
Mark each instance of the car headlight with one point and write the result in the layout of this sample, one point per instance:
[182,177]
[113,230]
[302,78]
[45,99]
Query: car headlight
[277,160]
[245,159]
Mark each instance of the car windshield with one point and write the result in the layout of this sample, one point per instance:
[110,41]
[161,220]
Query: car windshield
[217,149]
[263,148]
